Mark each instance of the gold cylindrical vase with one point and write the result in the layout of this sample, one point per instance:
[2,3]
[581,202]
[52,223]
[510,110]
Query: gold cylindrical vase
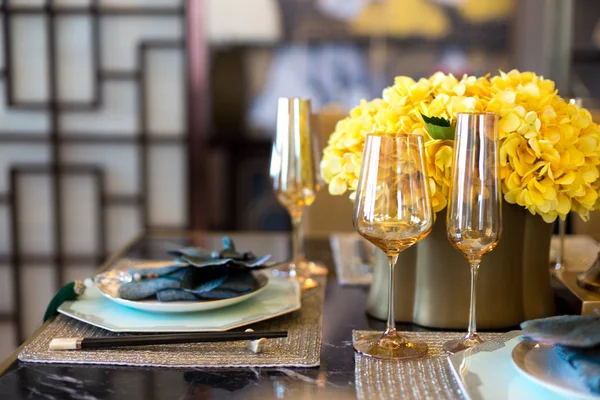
[432,278]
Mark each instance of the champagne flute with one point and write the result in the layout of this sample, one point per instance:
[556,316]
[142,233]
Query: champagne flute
[474,216]
[393,211]
[294,177]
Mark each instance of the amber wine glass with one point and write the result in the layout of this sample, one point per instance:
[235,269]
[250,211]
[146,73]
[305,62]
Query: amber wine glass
[393,211]
[474,216]
[294,177]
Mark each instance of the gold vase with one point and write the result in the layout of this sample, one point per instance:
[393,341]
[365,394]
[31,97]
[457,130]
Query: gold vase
[432,280]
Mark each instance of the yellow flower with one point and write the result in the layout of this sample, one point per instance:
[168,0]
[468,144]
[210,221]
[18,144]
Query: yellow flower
[338,185]
[549,149]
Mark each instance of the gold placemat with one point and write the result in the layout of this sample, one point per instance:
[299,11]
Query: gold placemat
[428,377]
[302,347]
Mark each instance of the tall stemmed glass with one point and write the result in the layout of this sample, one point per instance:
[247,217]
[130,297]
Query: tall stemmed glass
[294,177]
[393,211]
[474,217]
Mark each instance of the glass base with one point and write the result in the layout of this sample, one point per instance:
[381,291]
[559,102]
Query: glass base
[313,268]
[307,283]
[288,271]
[560,266]
[390,346]
[466,342]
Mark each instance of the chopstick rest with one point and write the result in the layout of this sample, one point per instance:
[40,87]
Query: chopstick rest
[144,340]
[256,346]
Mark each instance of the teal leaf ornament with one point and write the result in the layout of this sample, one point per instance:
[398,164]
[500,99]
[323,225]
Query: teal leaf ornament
[439,128]
[67,293]
[228,256]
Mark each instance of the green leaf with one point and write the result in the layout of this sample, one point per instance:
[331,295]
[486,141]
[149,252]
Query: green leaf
[440,132]
[439,128]
[435,121]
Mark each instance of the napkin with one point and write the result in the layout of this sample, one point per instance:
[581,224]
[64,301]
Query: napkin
[190,284]
[576,339]
[569,330]
[197,274]
[586,362]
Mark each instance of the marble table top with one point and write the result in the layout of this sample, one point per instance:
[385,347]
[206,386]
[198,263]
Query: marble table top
[344,311]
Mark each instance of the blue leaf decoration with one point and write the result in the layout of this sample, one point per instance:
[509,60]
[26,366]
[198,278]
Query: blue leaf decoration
[196,252]
[256,263]
[199,281]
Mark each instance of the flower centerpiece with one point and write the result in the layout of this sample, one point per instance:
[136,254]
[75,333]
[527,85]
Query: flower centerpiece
[549,148]
[549,152]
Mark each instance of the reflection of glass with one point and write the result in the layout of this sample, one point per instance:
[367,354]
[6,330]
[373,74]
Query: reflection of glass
[392,211]
[465,363]
[366,257]
[560,251]
[562,224]
[474,217]
[294,177]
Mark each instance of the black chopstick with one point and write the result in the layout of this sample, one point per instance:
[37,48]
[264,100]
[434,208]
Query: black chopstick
[143,340]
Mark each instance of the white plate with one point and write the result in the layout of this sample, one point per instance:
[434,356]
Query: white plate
[109,282]
[541,364]
[487,372]
[279,297]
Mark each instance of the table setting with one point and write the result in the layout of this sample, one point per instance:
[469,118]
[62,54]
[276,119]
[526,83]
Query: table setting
[456,183]
[203,290]
[186,308]
[405,180]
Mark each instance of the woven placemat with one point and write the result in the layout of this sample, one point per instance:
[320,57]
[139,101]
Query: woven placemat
[428,377]
[302,347]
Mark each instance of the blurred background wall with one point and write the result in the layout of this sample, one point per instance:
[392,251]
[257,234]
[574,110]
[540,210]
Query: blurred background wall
[93,140]
[98,99]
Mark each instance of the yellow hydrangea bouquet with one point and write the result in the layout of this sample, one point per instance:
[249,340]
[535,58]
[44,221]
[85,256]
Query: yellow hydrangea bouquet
[549,148]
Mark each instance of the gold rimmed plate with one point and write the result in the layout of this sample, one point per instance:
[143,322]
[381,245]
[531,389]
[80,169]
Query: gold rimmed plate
[109,282]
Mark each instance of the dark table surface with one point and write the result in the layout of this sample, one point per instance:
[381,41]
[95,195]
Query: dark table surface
[344,311]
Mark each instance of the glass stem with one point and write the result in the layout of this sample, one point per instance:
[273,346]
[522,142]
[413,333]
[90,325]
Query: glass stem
[562,227]
[297,245]
[473,310]
[391,319]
